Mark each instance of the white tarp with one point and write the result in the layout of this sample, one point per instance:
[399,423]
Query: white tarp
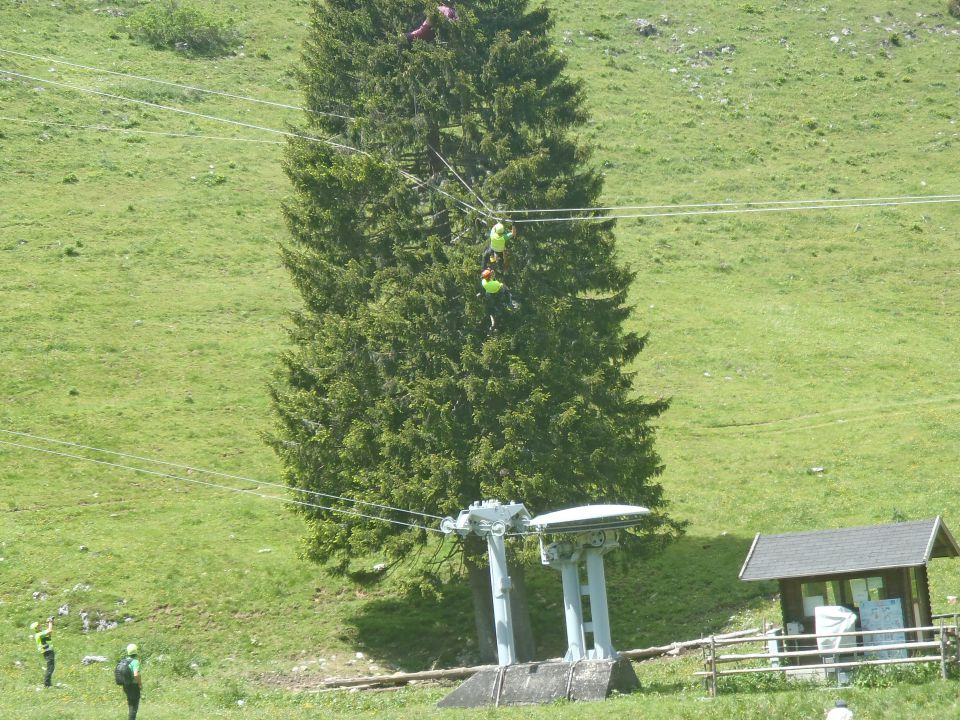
[831,619]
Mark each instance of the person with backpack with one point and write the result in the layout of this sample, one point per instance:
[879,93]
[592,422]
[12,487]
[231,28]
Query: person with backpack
[44,640]
[127,675]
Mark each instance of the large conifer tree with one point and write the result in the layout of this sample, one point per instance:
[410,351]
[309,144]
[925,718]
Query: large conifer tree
[395,390]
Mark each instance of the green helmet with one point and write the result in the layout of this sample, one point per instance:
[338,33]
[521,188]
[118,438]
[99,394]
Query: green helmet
[498,229]
[34,626]
[131,649]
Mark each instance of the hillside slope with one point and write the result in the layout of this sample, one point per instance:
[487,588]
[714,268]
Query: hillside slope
[144,304]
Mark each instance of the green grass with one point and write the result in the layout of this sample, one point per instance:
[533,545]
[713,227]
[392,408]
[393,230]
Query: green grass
[143,306]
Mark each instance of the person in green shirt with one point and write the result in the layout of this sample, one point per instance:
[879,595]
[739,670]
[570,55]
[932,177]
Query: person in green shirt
[44,640]
[495,256]
[134,684]
[499,236]
[496,293]
[489,282]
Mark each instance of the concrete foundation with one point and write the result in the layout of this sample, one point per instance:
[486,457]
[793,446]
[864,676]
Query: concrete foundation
[545,682]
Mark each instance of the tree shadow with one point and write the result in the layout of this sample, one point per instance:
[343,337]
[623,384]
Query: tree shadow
[689,590]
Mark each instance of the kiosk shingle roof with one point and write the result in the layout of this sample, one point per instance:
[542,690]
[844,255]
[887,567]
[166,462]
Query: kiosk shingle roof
[848,550]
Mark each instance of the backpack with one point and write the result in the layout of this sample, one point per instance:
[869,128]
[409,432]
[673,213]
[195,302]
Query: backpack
[121,673]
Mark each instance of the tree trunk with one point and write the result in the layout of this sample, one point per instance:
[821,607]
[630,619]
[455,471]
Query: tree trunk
[483,613]
[520,610]
[438,169]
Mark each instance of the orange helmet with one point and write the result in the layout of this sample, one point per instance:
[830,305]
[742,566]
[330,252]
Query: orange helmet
[487,274]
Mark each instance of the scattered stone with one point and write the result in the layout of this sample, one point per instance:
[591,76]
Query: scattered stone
[39,595]
[264,550]
[85,620]
[645,27]
[359,656]
[63,610]
[84,548]
[103,625]
[817,470]
[90,659]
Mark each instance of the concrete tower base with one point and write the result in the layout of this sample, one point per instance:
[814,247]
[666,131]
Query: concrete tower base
[545,682]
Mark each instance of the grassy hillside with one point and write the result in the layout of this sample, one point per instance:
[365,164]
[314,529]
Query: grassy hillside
[144,303]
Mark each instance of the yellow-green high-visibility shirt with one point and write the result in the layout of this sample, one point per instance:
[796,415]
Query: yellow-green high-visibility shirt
[43,641]
[499,241]
[491,286]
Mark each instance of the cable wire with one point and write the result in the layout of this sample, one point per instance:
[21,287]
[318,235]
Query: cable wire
[171,108]
[173,84]
[739,211]
[106,128]
[726,204]
[219,486]
[285,133]
[464,182]
[216,473]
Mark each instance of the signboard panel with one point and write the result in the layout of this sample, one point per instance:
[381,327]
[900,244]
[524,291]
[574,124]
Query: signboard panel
[883,615]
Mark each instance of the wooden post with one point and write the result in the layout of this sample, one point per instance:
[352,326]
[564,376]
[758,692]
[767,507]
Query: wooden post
[956,636]
[943,651]
[706,666]
[713,667]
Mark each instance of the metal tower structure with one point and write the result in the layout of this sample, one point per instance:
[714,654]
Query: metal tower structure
[491,520]
[591,532]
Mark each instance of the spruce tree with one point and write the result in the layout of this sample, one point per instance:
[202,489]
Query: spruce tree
[395,389]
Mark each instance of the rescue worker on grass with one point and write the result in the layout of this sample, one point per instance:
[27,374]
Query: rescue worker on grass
[44,640]
[134,685]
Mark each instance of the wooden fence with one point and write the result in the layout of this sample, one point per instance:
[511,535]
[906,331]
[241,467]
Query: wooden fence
[930,644]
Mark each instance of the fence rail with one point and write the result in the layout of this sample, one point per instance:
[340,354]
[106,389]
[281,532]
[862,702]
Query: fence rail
[945,645]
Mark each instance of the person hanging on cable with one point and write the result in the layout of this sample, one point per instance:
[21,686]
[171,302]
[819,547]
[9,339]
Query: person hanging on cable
[495,256]
[425,31]
[496,292]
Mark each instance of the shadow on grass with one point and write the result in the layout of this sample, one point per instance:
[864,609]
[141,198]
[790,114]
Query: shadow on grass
[689,590]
